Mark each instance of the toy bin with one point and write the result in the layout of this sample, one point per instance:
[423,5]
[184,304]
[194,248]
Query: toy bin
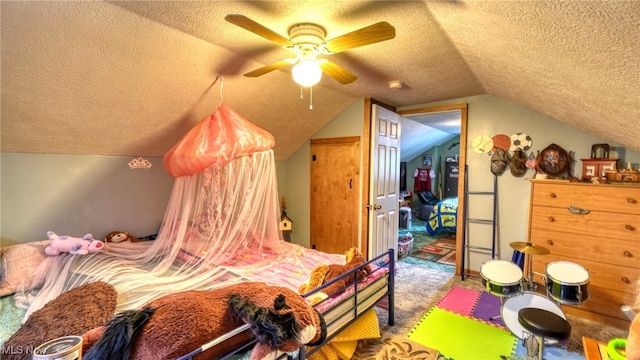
[405,244]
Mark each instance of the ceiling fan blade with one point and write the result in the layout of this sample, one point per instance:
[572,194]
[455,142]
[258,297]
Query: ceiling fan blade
[367,35]
[268,68]
[337,72]
[248,24]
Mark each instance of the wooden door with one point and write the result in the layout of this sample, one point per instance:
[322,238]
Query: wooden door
[335,189]
[385,188]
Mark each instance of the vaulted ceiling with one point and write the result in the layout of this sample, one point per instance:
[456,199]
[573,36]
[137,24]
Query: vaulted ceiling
[132,77]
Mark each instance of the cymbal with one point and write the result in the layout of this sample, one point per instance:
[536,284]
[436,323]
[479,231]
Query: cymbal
[529,248]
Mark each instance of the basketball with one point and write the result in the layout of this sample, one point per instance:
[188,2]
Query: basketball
[501,141]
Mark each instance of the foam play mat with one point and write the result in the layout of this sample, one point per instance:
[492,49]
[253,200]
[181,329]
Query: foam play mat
[467,324]
[460,337]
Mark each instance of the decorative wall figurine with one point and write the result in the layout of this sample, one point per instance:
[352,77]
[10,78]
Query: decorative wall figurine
[140,163]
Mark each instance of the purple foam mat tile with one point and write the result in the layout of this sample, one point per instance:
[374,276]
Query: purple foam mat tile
[488,309]
[459,300]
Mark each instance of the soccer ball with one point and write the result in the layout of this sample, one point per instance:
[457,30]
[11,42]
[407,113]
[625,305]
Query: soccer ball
[520,141]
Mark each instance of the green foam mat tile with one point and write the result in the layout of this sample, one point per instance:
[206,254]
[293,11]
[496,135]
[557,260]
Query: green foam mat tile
[459,337]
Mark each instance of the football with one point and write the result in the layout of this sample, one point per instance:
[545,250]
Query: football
[520,141]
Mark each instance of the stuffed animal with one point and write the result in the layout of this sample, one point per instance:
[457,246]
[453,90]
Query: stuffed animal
[181,323]
[325,273]
[120,236]
[73,245]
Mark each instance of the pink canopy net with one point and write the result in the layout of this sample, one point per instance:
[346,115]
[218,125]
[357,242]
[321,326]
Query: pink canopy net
[221,224]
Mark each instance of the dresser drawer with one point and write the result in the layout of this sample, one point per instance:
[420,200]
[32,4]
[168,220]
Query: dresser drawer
[609,198]
[606,276]
[596,225]
[600,249]
[606,302]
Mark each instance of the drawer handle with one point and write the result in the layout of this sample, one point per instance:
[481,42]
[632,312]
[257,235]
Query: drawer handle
[550,242]
[630,227]
[578,211]
[625,280]
[553,195]
[627,253]
[552,219]
[630,201]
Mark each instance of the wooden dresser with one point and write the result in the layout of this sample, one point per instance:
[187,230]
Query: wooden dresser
[597,227]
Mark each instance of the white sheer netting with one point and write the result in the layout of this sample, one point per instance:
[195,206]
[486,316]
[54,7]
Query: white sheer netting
[221,226]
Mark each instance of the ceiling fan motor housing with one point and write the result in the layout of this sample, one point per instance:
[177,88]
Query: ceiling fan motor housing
[307,36]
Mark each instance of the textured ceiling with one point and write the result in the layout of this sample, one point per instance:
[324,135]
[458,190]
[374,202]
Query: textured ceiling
[130,78]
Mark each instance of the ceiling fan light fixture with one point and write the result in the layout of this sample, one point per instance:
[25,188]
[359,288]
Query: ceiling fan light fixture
[306,72]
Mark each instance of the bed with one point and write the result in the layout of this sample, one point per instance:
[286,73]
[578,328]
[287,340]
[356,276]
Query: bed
[339,310]
[220,228]
[443,217]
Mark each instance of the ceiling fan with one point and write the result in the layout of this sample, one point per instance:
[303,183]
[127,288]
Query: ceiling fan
[308,42]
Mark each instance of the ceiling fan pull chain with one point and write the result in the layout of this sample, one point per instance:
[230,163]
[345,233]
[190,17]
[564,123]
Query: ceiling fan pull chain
[310,96]
[221,86]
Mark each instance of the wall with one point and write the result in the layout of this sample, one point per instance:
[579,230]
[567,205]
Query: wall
[77,194]
[297,172]
[489,115]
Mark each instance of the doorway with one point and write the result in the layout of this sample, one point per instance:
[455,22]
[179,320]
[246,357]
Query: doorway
[419,144]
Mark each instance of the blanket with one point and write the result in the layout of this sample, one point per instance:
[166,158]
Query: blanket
[443,217]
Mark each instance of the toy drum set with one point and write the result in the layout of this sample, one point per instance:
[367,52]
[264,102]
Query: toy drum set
[566,283]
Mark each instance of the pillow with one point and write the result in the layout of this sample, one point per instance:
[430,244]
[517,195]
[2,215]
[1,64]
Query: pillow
[72,313]
[18,263]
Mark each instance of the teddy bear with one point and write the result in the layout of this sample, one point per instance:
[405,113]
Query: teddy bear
[120,236]
[185,323]
[73,245]
[325,273]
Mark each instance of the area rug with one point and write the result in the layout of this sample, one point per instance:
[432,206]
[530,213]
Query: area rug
[393,347]
[442,251]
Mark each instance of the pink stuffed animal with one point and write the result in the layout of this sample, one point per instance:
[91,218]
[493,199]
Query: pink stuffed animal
[73,245]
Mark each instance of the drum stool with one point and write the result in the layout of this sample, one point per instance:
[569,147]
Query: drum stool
[543,324]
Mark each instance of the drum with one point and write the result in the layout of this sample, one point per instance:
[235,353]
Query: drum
[567,283]
[513,305]
[501,278]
